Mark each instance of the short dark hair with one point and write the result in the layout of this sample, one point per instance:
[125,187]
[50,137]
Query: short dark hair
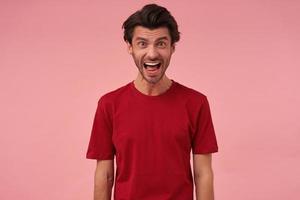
[151,16]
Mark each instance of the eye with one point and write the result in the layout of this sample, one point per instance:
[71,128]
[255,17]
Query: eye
[161,44]
[141,44]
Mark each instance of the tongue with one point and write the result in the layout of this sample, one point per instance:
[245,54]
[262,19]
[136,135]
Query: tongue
[152,67]
[152,70]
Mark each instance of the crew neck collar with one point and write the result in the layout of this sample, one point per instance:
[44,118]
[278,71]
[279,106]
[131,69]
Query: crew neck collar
[165,93]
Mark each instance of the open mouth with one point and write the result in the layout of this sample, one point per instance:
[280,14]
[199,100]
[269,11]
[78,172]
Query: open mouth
[152,65]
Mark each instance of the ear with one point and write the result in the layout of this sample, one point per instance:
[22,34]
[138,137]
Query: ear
[173,48]
[129,47]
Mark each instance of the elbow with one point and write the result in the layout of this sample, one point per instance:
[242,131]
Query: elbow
[110,178]
[204,175]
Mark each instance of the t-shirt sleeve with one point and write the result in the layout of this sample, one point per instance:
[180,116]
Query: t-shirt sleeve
[101,146]
[204,140]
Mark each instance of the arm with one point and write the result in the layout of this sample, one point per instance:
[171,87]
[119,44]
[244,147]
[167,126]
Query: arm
[104,179]
[203,176]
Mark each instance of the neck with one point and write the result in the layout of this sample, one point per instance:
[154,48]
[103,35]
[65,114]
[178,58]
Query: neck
[152,89]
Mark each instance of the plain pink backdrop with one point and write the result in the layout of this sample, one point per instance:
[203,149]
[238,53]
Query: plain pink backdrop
[58,57]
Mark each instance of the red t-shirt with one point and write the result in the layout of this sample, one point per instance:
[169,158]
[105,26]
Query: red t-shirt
[152,138]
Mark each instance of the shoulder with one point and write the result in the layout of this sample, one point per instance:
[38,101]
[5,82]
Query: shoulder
[190,94]
[114,95]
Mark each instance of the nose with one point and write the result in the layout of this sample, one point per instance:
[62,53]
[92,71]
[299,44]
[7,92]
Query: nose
[152,52]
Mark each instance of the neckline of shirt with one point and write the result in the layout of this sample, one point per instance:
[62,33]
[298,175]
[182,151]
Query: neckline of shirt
[140,94]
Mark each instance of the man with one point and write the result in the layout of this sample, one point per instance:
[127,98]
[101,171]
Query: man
[152,123]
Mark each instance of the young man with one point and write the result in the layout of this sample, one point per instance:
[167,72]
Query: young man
[152,123]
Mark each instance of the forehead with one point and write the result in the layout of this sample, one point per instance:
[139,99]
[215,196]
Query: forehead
[150,34]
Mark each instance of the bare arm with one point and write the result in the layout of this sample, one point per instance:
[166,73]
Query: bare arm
[203,177]
[104,179]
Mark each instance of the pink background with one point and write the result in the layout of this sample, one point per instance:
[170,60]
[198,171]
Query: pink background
[58,57]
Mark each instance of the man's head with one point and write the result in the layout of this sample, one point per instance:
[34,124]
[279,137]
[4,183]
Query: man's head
[151,16]
[151,34]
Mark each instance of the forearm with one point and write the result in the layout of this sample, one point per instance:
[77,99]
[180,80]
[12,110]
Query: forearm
[103,187]
[204,187]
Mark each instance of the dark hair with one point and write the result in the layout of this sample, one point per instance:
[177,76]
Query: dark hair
[151,16]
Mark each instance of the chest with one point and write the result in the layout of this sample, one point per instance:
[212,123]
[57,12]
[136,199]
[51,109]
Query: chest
[140,125]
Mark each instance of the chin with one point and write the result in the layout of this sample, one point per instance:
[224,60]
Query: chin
[153,80]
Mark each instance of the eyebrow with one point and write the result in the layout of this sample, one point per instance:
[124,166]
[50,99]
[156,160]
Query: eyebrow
[160,38]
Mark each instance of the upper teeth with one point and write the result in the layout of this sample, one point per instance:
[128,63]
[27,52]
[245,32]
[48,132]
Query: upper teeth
[152,64]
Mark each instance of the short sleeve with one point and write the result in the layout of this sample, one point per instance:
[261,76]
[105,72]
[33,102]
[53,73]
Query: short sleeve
[101,146]
[204,140]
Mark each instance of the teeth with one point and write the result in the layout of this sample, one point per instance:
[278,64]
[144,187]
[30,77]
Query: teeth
[152,64]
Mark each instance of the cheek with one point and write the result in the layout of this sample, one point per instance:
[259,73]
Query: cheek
[166,55]
[137,56]
[166,52]
[136,59]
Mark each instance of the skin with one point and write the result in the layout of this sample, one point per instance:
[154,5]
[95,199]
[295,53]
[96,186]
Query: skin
[203,176]
[150,46]
[103,179]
